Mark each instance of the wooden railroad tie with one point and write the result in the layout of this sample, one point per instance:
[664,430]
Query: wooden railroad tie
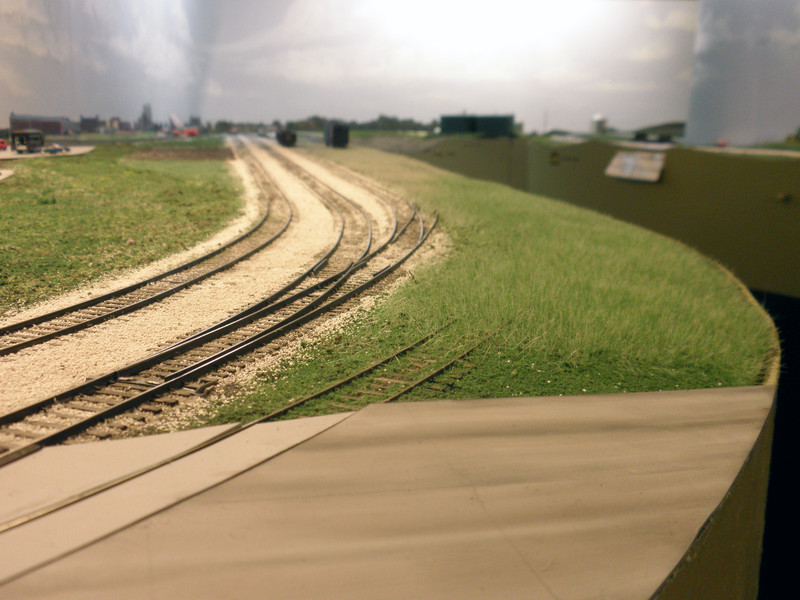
[393,380]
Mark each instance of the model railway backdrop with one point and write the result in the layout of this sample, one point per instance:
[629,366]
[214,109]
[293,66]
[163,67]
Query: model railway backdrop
[743,210]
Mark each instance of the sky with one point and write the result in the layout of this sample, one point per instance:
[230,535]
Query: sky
[551,63]
[746,77]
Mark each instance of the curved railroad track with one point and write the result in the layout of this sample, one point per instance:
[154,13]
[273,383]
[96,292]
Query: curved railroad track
[277,215]
[419,368]
[350,267]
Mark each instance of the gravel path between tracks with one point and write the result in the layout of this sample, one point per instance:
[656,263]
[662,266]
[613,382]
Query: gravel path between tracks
[194,410]
[42,371]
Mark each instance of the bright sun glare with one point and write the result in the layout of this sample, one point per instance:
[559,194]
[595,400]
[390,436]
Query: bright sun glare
[471,37]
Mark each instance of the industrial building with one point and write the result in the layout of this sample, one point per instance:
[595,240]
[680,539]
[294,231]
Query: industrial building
[665,132]
[47,125]
[484,125]
[90,124]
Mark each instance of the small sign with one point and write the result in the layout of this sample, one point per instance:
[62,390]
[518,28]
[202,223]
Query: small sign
[637,166]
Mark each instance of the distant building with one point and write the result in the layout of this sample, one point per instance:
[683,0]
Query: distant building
[47,125]
[90,124]
[599,124]
[145,122]
[665,132]
[485,125]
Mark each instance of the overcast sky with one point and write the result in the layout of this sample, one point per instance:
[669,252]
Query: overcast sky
[552,63]
[561,61]
[746,77]
[548,62]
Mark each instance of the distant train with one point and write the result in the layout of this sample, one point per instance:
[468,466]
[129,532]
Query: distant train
[337,135]
[286,137]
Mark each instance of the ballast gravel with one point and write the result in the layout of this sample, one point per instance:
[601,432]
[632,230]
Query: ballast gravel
[42,371]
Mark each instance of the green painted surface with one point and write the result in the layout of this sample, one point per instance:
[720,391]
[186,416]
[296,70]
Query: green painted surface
[743,210]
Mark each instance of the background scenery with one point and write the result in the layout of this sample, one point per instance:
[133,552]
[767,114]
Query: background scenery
[551,64]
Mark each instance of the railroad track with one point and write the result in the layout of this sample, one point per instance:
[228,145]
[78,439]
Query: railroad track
[409,369]
[420,367]
[350,267]
[277,215]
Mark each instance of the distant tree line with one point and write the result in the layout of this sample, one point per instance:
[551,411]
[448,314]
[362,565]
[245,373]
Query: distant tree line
[317,123]
[223,126]
[382,123]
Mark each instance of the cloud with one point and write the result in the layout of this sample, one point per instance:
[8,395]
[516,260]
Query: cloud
[29,26]
[213,88]
[747,71]
[13,83]
[617,86]
[676,18]
[653,51]
[151,33]
[785,37]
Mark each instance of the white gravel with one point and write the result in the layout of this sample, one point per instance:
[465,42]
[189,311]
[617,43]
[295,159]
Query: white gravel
[44,370]
[379,211]
[196,409]
[250,214]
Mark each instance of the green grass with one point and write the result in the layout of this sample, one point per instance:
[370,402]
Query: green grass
[370,133]
[789,144]
[580,302]
[146,138]
[103,138]
[65,221]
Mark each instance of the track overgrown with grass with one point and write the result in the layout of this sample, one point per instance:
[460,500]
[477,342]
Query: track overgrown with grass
[578,303]
[68,220]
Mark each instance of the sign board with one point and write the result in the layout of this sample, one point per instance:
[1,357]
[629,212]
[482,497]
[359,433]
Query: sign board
[637,166]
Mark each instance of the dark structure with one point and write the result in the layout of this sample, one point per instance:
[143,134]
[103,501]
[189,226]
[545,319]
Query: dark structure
[665,132]
[89,124]
[47,125]
[27,140]
[145,122]
[286,137]
[337,135]
[486,126]
[117,124]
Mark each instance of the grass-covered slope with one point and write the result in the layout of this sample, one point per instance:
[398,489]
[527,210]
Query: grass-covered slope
[579,302]
[67,220]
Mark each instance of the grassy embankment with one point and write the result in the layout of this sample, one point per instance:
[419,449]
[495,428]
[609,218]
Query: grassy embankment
[65,221]
[579,303]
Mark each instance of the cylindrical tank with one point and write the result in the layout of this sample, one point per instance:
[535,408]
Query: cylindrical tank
[286,137]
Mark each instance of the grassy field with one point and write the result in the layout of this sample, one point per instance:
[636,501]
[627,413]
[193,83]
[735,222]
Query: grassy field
[788,144]
[578,303]
[65,221]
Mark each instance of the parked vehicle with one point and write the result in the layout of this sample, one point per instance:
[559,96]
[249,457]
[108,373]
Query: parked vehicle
[286,137]
[27,140]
